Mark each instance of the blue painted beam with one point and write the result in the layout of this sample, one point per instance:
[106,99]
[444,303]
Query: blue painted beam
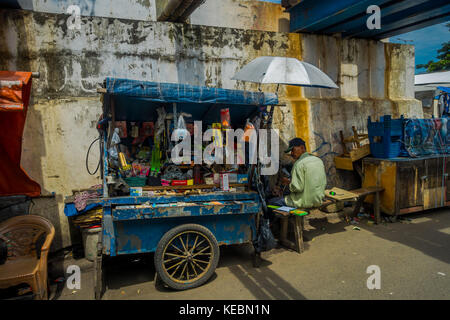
[400,22]
[311,15]
[358,23]
[350,17]
[413,27]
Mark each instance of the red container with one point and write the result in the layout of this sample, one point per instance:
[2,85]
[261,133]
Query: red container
[179,182]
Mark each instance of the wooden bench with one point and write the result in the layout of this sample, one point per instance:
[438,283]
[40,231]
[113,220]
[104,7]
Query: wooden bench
[296,217]
[297,222]
[358,195]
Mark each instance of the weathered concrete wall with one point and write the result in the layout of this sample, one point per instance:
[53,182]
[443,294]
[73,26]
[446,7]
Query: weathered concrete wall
[241,14]
[124,9]
[375,79]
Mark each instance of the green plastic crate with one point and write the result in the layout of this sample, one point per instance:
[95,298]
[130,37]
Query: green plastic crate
[136,181]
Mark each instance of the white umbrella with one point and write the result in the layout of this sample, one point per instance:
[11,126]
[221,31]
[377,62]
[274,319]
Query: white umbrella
[282,70]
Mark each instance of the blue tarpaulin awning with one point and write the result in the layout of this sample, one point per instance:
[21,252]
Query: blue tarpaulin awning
[185,93]
[135,100]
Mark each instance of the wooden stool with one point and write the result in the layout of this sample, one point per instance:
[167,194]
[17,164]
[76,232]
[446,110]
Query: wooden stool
[297,223]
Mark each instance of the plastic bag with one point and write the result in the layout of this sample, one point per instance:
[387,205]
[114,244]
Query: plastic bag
[115,140]
[181,132]
[248,130]
[159,125]
[265,240]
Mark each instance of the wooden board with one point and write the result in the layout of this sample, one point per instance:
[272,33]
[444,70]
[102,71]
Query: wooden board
[361,152]
[341,194]
[196,186]
[344,163]
[367,190]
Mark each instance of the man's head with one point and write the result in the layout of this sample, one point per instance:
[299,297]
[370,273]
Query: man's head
[296,147]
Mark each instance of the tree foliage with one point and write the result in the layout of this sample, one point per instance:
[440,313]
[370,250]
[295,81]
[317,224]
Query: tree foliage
[443,63]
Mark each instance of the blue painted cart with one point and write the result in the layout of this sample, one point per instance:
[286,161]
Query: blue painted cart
[184,231]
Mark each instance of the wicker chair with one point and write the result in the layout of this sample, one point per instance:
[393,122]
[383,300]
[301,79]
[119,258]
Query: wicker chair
[23,264]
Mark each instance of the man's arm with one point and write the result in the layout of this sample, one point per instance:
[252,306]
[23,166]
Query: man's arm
[298,179]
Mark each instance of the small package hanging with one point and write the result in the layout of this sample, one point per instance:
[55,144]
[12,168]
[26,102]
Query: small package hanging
[249,130]
[147,129]
[225,118]
[122,125]
[134,130]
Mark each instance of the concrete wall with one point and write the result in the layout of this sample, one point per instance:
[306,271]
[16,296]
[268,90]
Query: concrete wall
[242,14]
[375,79]
[124,9]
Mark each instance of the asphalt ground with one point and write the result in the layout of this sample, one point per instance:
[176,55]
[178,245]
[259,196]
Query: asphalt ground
[413,256]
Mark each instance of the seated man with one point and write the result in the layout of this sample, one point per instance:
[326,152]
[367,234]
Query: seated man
[308,179]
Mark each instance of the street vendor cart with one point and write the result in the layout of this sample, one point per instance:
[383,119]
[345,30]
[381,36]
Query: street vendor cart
[183,224]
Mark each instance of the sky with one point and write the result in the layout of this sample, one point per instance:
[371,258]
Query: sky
[426,41]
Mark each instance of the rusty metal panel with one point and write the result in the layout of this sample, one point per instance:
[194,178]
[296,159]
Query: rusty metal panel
[108,236]
[185,211]
[139,236]
[129,227]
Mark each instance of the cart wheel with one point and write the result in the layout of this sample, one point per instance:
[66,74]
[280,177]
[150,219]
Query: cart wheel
[186,256]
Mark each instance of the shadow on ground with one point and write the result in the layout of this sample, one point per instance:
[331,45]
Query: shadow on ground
[427,231]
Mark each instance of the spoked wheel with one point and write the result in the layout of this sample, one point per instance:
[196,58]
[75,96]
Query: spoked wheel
[187,256]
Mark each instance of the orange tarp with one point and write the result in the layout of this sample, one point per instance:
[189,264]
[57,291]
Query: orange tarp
[15,89]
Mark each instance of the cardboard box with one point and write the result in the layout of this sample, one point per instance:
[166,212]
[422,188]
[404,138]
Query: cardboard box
[232,178]
[242,178]
[136,191]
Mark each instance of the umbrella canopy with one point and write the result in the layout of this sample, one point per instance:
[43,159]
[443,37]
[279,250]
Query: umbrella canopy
[282,70]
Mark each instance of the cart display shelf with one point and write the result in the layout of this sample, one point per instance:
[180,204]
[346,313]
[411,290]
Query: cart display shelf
[184,231]
[195,186]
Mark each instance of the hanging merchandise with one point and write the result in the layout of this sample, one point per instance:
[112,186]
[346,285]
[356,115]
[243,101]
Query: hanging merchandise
[122,160]
[217,134]
[225,118]
[160,124]
[115,140]
[147,129]
[181,132]
[122,125]
[156,159]
[134,130]
[249,130]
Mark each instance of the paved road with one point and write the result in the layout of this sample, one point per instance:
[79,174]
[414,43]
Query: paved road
[413,256]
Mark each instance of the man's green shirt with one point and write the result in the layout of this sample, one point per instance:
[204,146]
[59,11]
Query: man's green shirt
[308,181]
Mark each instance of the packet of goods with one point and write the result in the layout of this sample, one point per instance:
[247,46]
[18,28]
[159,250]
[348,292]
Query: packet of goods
[147,129]
[122,125]
[225,118]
